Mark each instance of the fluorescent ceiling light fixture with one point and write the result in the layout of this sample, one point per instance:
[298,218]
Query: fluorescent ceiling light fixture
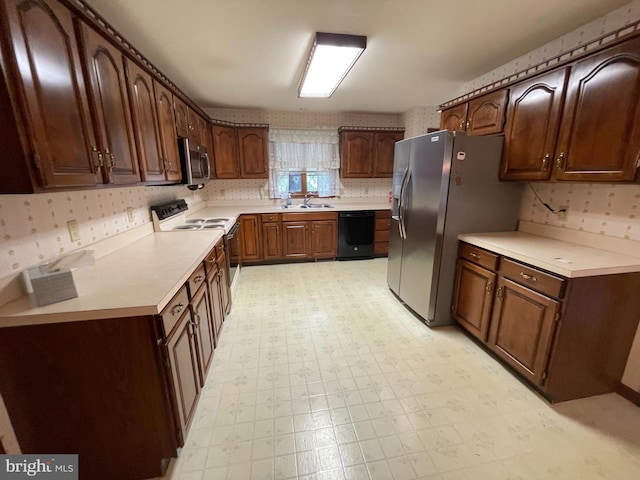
[332,56]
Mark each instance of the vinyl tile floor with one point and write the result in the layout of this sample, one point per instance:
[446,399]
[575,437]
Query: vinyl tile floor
[322,374]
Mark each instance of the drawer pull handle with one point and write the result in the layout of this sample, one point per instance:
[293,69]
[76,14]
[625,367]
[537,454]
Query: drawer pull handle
[530,278]
[198,279]
[489,286]
[500,293]
[177,309]
[474,255]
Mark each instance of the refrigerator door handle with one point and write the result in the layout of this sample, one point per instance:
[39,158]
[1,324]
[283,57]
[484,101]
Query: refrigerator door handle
[404,203]
[401,205]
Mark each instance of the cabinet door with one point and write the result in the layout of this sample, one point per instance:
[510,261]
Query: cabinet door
[145,124]
[225,148]
[522,327]
[204,326]
[324,239]
[56,113]
[182,117]
[253,154]
[532,126]
[486,113]
[181,350]
[250,243]
[193,122]
[599,136]
[454,119]
[105,69]
[295,239]
[356,154]
[168,135]
[384,148]
[272,241]
[473,298]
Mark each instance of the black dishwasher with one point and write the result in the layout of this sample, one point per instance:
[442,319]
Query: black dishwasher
[355,234]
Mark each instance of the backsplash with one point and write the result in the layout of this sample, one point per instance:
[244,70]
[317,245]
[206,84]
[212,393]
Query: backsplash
[33,228]
[612,210]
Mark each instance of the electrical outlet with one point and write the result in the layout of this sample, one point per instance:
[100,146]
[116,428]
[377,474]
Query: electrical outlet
[130,214]
[74,230]
[563,213]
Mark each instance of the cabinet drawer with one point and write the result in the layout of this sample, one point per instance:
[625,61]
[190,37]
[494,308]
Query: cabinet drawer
[210,261]
[381,248]
[381,236]
[270,217]
[307,217]
[478,256]
[174,311]
[196,280]
[383,223]
[383,214]
[533,278]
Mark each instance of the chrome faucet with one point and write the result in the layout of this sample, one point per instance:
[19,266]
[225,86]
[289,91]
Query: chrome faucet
[307,199]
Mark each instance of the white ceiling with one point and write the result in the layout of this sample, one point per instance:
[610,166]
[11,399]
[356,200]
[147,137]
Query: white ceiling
[250,53]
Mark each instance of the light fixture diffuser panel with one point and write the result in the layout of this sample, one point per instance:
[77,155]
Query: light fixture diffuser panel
[329,64]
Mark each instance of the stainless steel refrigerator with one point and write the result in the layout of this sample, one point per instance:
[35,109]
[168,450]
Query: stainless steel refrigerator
[444,184]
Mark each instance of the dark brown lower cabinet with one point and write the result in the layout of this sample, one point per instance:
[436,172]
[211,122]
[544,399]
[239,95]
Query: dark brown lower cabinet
[569,337]
[522,327]
[96,388]
[295,240]
[271,237]
[250,235]
[203,324]
[324,237]
[473,298]
[309,235]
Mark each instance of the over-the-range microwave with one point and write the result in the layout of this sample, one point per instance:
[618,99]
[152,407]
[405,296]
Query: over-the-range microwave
[196,167]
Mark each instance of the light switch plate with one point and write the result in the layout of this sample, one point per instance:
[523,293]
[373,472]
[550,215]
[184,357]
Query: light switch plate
[74,230]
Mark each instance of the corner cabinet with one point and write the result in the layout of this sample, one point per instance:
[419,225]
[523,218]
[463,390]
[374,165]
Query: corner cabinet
[39,154]
[569,337]
[367,154]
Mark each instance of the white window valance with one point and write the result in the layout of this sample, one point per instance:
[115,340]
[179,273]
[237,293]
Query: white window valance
[315,149]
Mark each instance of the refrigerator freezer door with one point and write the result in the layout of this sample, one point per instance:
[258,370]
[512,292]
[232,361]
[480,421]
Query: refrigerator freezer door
[400,166]
[423,208]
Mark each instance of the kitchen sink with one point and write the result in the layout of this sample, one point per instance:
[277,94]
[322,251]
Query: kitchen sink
[313,205]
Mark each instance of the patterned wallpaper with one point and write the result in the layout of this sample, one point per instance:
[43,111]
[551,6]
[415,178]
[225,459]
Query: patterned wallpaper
[33,228]
[419,119]
[607,209]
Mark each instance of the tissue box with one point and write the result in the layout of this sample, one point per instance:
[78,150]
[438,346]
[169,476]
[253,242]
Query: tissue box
[52,287]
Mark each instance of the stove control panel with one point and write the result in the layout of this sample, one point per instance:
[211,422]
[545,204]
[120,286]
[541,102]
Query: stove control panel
[167,210]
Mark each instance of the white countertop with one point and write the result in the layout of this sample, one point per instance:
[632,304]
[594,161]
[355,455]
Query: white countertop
[561,257]
[138,279]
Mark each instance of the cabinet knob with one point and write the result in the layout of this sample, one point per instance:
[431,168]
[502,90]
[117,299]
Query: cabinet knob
[560,161]
[500,293]
[468,125]
[489,287]
[474,255]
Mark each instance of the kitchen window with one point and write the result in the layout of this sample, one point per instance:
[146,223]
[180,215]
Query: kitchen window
[303,162]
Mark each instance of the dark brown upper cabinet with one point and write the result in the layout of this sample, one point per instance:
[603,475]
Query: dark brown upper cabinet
[253,152]
[533,116]
[225,147]
[182,117]
[168,135]
[454,118]
[145,123]
[599,137]
[481,116]
[104,65]
[47,135]
[367,154]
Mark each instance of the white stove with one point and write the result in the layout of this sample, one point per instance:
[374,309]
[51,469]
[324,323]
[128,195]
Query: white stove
[172,217]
